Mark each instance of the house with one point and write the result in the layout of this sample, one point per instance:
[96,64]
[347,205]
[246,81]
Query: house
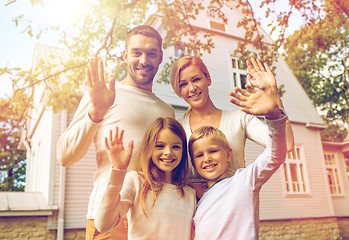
[307,198]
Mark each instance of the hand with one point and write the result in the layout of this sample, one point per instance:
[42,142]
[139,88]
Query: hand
[255,102]
[102,97]
[263,78]
[118,156]
[260,75]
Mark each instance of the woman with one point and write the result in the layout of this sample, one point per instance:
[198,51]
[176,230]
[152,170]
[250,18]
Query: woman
[190,80]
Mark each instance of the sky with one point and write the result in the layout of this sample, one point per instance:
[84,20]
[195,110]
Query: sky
[16,48]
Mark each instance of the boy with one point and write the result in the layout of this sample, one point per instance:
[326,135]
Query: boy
[229,208]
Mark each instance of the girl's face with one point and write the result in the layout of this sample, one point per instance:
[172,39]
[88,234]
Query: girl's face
[167,153]
[193,86]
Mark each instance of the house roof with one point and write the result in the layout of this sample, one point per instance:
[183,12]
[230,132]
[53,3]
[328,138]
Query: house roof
[24,204]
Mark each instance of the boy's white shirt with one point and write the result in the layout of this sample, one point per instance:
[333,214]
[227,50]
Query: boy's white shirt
[230,208]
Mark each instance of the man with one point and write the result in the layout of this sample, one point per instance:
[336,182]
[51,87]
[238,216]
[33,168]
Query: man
[128,104]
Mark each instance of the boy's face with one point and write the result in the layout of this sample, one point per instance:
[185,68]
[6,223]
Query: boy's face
[143,57]
[211,159]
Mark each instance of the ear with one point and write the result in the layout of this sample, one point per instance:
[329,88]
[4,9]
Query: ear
[229,154]
[124,56]
[161,56]
[209,81]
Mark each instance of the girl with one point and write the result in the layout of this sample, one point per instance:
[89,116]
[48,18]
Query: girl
[190,80]
[156,198]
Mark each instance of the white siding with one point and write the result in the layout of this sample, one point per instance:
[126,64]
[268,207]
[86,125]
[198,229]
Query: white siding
[340,203]
[276,204]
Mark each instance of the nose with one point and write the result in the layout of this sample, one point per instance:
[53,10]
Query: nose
[143,59]
[207,158]
[192,86]
[167,150]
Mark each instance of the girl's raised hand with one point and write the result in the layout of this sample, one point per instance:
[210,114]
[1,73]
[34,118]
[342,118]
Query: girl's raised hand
[119,156]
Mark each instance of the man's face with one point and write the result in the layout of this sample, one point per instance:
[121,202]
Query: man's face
[143,57]
[211,159]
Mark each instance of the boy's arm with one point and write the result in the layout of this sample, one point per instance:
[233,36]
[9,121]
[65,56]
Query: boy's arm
[262,77]
[259,103]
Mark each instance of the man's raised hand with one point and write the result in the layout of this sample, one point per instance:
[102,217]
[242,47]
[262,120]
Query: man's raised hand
[102,97]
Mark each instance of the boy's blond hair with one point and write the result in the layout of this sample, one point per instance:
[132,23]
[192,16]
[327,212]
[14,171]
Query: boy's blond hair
[207,132]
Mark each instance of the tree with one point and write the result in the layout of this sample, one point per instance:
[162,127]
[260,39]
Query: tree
[101,33]
[318,54]
[12,160]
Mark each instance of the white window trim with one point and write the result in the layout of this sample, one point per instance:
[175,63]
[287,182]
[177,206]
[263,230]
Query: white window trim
[237,71]
[307,192]
[337,167]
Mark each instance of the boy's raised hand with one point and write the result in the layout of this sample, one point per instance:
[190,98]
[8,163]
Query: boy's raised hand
[260,75]
[102,97]
[255,102]
[119,156]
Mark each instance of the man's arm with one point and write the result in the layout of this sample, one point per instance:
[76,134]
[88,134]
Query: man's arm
[77,138]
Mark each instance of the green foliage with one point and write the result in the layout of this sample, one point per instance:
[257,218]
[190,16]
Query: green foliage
[318,55]
[12,160]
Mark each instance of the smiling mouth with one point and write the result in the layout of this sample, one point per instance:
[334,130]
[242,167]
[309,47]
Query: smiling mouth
[196,95]
[210,167]
[144,70]
[167,160]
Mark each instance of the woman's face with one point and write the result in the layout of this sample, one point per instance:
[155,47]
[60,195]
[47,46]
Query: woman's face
[193,86]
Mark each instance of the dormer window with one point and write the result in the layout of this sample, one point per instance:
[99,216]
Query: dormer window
[217,20]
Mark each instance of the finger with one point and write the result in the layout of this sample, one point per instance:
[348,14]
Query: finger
[266,66]
[260,65]
[249,65]
[251,88]
[116,134]
[112,83]
[255,64]
[89,83]
[243,92]
[110,136]
[237,96]
[94,70]
[130,146]
[106,143]
[121,135]
[101,71]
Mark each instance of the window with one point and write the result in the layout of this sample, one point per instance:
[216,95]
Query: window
[217,20]
[180,53]
[333,174]
[239,73]
[294,171]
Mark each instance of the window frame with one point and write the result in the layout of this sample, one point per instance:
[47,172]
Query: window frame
[337,175]
[235,73]
[301,186]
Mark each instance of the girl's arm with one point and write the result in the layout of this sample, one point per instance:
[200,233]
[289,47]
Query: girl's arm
[111,211]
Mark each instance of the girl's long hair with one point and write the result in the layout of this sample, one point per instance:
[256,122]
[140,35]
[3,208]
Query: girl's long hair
[181,64]
[151,178]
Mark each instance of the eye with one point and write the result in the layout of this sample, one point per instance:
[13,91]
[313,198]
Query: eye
[198,155]
[182,84]
[136,54]
[196,79]
[177,147]
[159,145]
[153,54]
